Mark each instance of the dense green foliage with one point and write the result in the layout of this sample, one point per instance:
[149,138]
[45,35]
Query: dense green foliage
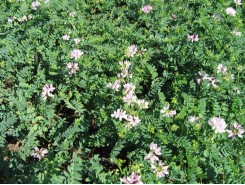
[85,143]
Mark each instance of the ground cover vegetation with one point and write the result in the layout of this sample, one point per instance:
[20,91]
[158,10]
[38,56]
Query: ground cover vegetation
[122,91]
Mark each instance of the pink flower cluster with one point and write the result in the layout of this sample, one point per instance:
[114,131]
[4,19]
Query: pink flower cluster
[73,67]
[122,75]
[47,91]
[35,4]
[128,88]
[154,152]
[124,69]
[116,85]
[166,112]
[147,9]
[238,2]
[39,153]
[76,40]
[131,98]
[236,33]
[230,11]
[221,69]
[157,165]
[205,76]
[66,37]
[76,54]
[193,119]
[72,14]
[159,169]
[219,125]
[120,114]
[21,19]
[132,179]
[235,130]
[193,38]
[131,51]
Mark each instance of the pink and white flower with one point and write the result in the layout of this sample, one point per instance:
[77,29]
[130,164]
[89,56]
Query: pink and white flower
[66,37]
[236,33]
[166,112]
[129,88]
[230,11]
[154,151]
[116,85]
[193,119]
[147,9]
[133,120]
[218,124]
[213,83]
[238,2]
[76,54]
[193,38]
[76,40]
[159,169]
[72,14]
[132,179]
[130,98]
[35,4]
[39,154]
[73,67]
[120,114]
[125,65]
[10,20]
[236,130]
[221,69]
[131,51]
[143,104]
[205,76]
[47,91]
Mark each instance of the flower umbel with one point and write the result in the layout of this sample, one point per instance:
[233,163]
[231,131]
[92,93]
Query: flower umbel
[76,54]
[230,11]
[131,51]
[143,104]
[66,37]
[39,154]
[133,120]
[238,2]
[193,38]
[218,124]
[119,114]
[154,151]
[166,112]
[132,179]
[147,9]
[221,69]
[193,119]
[236,33]
[73,67]
[159,169]
[76,40]
[236,130]
[35,4]
[115,85]
[47,91]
